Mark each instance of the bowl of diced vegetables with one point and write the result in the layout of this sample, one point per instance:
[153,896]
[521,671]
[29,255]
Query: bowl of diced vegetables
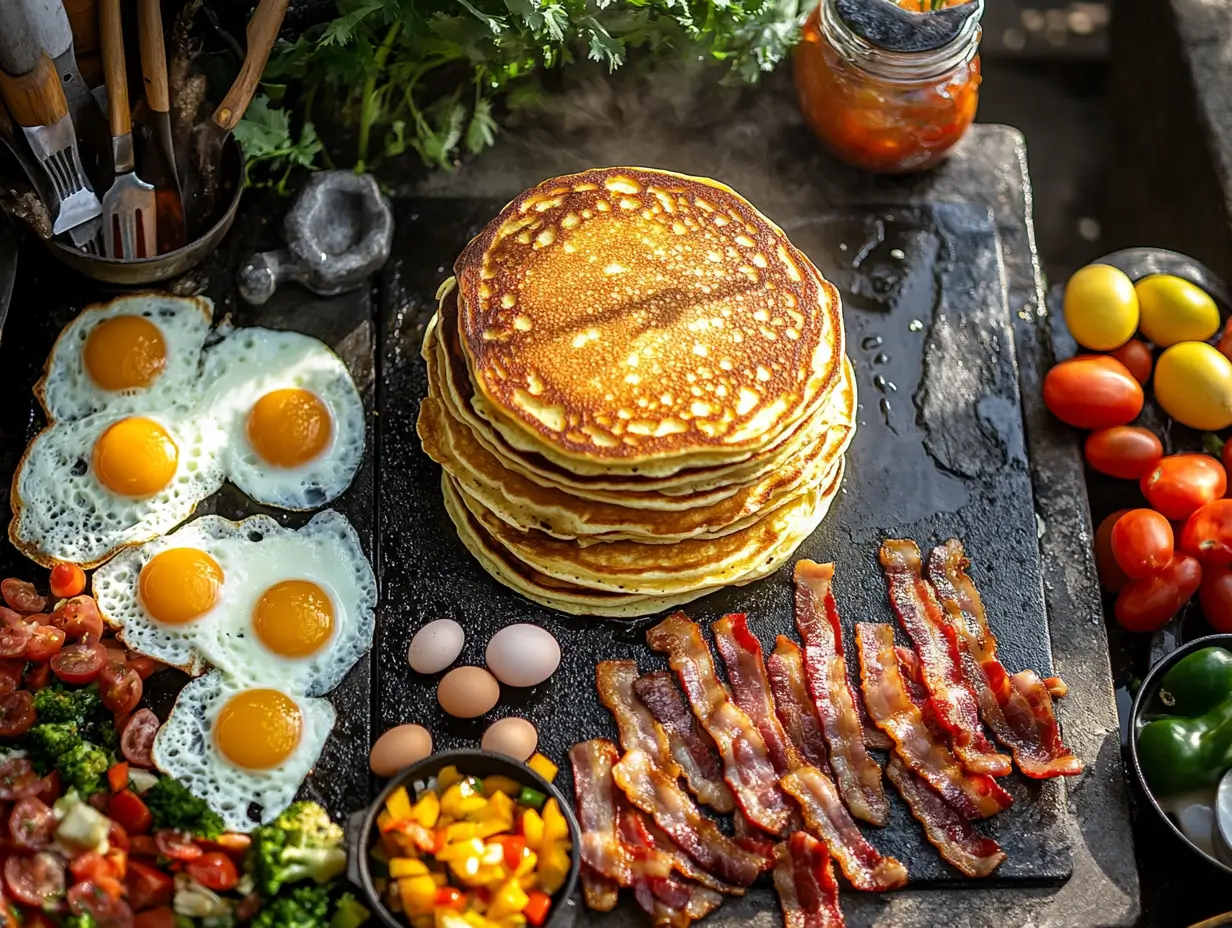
[469,839]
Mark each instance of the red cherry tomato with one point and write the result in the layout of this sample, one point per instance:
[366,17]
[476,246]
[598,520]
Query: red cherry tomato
[1180,483]
[1147,605]
[80,618]
[18,779]
[1207,534]
[1135,354]
[13,639]
[214,871]
[1142,543]
[44,641]
[120,687]
[162,917]
[130,811]
[67,580]
[90,866]
[145,667]
[36,879]
[11,670]
[147,886]
[79,663]
[1123,451]
[101,900]
[1092,391]
[16,713]
[1225,340]
[137,738]
[1215,596]
[32,824]
[1111,577]
[22,596]
[38,676]
[50,788]
[176,845]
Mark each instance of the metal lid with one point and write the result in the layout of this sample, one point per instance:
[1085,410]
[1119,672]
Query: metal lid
[886,25]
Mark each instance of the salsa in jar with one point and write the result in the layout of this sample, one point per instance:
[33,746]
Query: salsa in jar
[882,109]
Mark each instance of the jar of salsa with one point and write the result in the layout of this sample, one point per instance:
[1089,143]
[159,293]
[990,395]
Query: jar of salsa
[885,90]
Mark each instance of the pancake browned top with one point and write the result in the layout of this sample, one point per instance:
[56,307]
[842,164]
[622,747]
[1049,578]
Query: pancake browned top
[627,314]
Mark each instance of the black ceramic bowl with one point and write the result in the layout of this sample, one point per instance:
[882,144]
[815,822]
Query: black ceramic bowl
[1146,704]
[362,826]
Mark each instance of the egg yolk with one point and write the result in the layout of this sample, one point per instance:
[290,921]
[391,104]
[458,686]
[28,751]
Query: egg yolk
[294,618]
[179,585]
[135,457]
[258,729]
[288,428]
[124,352]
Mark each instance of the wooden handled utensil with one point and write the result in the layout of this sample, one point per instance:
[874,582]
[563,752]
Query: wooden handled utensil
[158,165]
[129,211]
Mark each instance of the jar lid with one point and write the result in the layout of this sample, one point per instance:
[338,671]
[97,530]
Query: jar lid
[887,25]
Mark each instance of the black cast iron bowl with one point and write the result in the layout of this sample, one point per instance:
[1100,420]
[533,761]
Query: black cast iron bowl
[361,826]
[1145,703]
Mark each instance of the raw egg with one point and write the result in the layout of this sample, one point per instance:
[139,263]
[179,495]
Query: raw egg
[436,646]
[468,692]
[398,748]
[512,737]
[523,655]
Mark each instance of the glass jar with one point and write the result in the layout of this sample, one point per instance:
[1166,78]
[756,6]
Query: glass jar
[883,110]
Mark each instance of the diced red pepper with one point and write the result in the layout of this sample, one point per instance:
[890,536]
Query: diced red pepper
[449,897]
[537,906]
[515,848]
[148,886]
[127,808]
[117,777]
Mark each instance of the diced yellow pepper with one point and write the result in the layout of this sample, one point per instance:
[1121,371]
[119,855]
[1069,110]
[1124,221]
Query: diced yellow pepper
[499,784]
[384,821]
[555,828]
[459,850]
[447,778]
[542,766]
[491,876]
[497,817]
[527,865]
[406,866]
[463,798]
[398,805]
[509,899]
[529,882]
[475,920]
[532,829]
[418,895]
[460,831]
[513,921]
[553,869]
[441,879]
[427,811]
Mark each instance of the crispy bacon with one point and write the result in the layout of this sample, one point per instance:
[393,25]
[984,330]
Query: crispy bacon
[747,767]
[750,685]
[659,795]
[638,729]
[974,795]
[827,818]
[690,746]
[1057,688]
[682,863]
[595,797]
[804,878]
[951,834]
[601,893]
[936,642]
[666,899]
[1025,724]
[798,715]
[856,773]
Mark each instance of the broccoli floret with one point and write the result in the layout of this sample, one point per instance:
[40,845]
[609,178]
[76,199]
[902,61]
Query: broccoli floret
[301,907]
[84,920]
[84,707]
[175,807]
[300,844]
[50,740]
[84,767]
[349,913]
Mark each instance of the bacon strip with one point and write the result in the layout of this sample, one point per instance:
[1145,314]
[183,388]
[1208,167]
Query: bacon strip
[826,817]
[974,795]
[750,685]
[692,749]
[682,863]
[804,878]
[952,835]
[747,767]
[666,899]
[1025,724]
[936,642]
[638,729]
[658,795]
[595,797]
[856,773]
[795,708]
[600,892]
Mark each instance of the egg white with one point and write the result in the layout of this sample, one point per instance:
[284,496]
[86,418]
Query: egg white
[184,748]
[63,513]
[251,362]
[68,392]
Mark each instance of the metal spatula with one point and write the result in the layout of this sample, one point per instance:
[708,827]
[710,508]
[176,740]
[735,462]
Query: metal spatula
[129,208]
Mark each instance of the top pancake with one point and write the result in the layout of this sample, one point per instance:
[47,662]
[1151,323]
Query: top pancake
[626,315]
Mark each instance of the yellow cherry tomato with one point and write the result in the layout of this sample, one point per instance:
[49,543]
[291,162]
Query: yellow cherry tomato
[1173,310]
[1193,383]
[1101,307]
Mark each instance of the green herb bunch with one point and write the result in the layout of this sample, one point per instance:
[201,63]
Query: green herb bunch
[432,75]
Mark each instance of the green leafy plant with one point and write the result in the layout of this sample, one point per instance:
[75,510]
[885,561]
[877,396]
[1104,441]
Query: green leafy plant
[431,76]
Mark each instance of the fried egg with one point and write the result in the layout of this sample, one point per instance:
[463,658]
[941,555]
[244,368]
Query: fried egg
[237,744]
[293,416]
[290,608]
[136,353]
[88,488]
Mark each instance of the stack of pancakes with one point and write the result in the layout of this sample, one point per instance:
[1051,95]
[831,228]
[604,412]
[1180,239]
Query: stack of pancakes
[638,393]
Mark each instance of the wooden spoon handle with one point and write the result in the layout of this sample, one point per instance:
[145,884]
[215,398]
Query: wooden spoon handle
[36,97]
[153,55]
[111,36]
[262,31]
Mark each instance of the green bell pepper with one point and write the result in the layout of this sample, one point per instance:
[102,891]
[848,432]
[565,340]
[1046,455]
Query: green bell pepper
[1181,754]
[1197,683]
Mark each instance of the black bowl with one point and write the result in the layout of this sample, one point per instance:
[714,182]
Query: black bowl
[361,827]
[1145,703]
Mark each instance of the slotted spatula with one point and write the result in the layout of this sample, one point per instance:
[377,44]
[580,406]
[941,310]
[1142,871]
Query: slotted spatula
[130,207]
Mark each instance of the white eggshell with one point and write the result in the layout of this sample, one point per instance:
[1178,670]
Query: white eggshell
[436,646]
[512,737]
[398,748]
[523,655]
[468,692]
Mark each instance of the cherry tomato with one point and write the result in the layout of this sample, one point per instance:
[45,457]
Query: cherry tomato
[10,674]
[16,713]
[1207,534]
[79,663]
[162,917]
[44,641]
[1142,543]
[50,788]
[32,824]
[13,640]
[67,580]
[79,617]
[137,738]
[120,687]
[1123,451]
[38,676]
[147,886]
[1225,340]
[1180,483]
[36,879]
[214,871]
[176,845]
[145,667]
[22,596]
[142,846]
[101,900]
[90,866]
[130,811]
[1111,577]
[18,779]
[1092,391]
[1135,354]
[1215,596]
[1147,605]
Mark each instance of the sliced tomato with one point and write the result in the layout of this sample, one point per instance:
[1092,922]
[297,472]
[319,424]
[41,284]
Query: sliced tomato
[231,843]
[22,596]
[162,917]
[214,871]
[148,886]
[37,676]
[177,845]
[79,664]
[120,687]
[80,618]
[90,866]
[13,639]
[34,879]
[67,580]
[43,643]
[16,713]
[127,808]
[32,824]
[50,788]
[142,846]
[137,739]
[102,901]
[117,777]
[146,667]
[18,779]
[11,670]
